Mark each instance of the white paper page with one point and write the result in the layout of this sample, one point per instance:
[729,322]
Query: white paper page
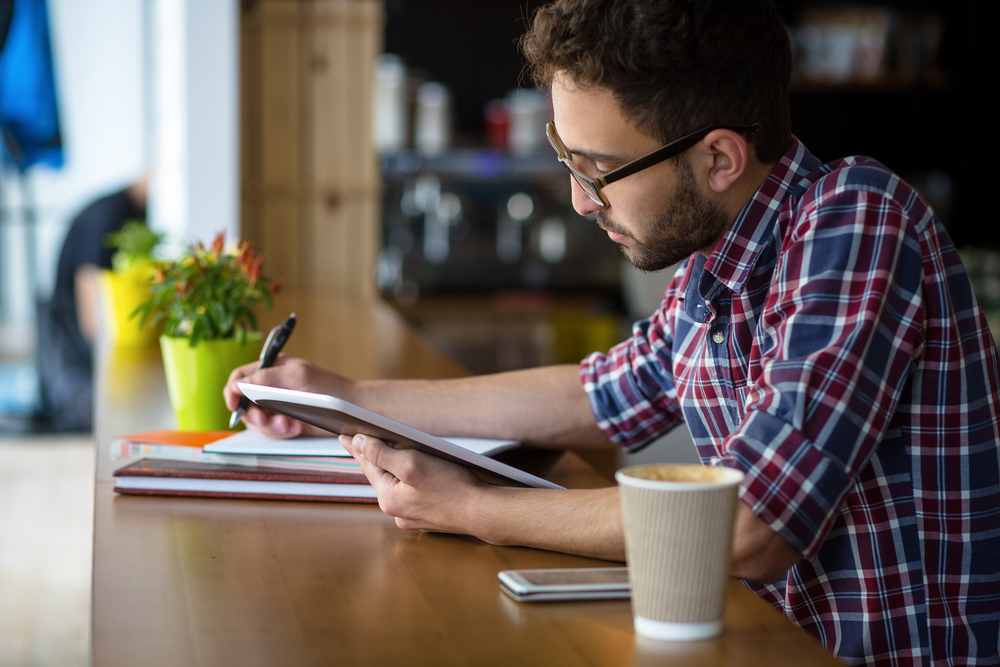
[252,442]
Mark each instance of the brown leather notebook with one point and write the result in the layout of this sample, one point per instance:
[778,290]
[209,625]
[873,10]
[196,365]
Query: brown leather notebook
[162,477]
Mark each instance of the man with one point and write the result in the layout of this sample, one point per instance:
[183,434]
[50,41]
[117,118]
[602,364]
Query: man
[822,336]
[68,321]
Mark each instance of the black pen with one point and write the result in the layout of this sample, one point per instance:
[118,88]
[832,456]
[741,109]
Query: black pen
[269,353]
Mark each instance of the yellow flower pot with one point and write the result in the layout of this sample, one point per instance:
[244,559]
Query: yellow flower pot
[196,376]
[123,293]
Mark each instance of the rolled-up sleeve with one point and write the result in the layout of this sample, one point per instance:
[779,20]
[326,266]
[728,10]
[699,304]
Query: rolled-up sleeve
[631,388]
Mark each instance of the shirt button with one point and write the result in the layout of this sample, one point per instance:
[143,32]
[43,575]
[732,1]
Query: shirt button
[718,336]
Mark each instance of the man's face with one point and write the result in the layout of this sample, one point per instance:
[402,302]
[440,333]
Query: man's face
[658,216]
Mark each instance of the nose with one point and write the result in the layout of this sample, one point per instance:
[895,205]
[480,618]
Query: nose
[582,203]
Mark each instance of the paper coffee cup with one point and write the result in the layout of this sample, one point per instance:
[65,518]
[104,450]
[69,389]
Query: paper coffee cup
[678,523]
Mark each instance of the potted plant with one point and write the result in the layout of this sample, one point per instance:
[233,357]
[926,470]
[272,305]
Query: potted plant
[127,284]
[206,301]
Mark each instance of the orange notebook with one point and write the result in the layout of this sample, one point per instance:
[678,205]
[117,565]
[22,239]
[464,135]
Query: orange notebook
[181,438]
[189,446]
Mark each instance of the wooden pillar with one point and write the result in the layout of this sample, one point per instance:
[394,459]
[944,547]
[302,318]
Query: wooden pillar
[311,186]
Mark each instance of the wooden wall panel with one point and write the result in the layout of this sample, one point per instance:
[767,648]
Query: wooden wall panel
[280,95]
[250,164]
[280,220]
[311,186]
[250,130]
[345,247]
[330,68]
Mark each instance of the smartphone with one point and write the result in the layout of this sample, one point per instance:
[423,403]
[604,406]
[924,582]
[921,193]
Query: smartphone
[550,585]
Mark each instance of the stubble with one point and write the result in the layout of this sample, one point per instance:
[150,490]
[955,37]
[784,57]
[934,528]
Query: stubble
[689,223]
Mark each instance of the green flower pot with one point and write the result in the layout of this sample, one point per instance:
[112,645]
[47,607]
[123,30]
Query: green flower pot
[196,376]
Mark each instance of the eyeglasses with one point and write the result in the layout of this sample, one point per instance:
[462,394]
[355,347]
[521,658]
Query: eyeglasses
[593,186]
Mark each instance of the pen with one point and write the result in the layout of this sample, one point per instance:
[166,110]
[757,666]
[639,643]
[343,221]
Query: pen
[272,346]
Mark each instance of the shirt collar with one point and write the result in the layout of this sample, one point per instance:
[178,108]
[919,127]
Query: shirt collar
[733,259]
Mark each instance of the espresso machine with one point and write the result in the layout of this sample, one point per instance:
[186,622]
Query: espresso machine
[479,220]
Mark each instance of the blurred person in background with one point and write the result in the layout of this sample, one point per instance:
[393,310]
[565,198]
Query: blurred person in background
[68,321]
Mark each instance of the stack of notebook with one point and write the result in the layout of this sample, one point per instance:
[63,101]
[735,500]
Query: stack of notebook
[249,465]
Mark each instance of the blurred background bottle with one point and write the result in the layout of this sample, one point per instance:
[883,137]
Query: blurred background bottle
[391,105]
[432,125]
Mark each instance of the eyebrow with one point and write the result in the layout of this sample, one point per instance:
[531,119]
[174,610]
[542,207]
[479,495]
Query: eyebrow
[597,157]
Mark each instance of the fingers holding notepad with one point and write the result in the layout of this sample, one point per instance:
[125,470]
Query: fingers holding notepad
[420,491]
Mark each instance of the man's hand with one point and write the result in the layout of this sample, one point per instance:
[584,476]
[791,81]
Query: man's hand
[421,491]
[426,493]
[759,553]
[287,373]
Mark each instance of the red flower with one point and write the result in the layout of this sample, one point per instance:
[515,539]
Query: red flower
[246,258]
[218,244]
[232,283]
[258,264]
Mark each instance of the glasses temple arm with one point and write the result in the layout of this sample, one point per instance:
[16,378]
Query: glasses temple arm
[670,150]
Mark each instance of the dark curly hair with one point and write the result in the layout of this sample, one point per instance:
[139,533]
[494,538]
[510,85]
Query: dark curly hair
[673,65]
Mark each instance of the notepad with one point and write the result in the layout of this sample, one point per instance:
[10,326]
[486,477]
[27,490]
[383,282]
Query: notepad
[226,488]
[160,477]
[252,442]
[336,415]
[188,446]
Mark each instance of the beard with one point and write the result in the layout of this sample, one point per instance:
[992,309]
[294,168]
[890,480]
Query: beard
[689,223]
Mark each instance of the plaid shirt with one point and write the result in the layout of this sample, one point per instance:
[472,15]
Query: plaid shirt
[832,348]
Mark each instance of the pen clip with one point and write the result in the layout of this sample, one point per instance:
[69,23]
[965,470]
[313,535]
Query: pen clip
[267,343]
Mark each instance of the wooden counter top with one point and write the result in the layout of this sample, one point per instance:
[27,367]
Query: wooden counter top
[185,581]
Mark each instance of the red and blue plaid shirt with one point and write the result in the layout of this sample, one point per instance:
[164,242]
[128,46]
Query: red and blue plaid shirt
[832,349]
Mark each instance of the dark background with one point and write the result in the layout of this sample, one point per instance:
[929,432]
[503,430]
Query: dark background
[916,129]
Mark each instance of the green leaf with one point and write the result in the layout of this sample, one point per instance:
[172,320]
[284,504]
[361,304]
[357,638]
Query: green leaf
[135,243]
[218,313]
[218,299]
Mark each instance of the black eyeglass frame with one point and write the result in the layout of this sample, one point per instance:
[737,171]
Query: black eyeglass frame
[593,186]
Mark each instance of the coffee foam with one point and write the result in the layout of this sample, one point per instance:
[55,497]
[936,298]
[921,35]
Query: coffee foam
[680,473]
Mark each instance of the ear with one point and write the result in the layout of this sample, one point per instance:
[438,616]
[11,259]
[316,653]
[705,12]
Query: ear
[726,155]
